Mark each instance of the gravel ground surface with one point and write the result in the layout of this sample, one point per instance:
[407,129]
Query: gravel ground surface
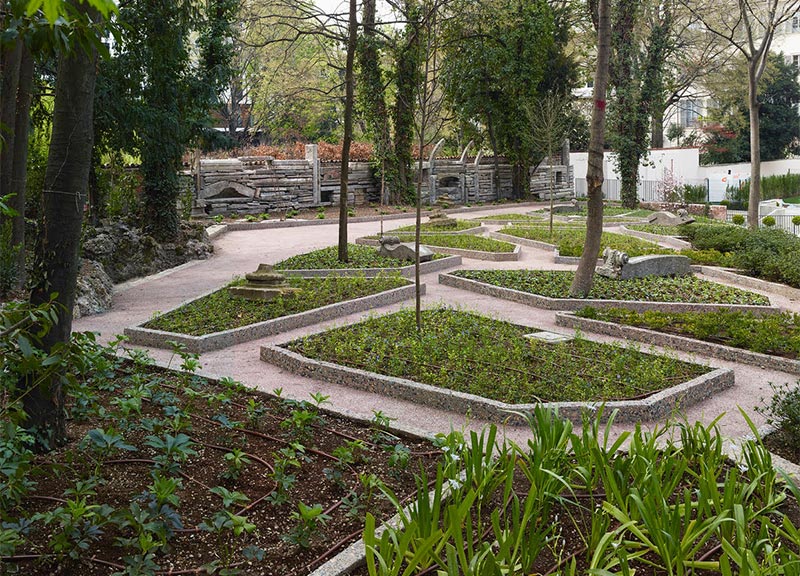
[237,253]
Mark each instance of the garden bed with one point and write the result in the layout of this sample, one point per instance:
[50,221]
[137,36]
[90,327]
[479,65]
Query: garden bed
[461,227]
[218,320]
[569,241]
[170,473]
[462,362]
[359,257]
[469,246]
[571,501]
[737,277]
[748,333]
[550,290]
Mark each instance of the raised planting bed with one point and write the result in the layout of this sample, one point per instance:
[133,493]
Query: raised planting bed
[461,227]
[506,218]
[218,320]
[363,261]
[771,341]
[359,257]
[468,246]
[571,501]
[476,365]
[569,241]
[737,277]
[549,289]
[169,473]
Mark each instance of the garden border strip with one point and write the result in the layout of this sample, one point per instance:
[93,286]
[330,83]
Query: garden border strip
[405,271]
[474,254]
[657,405]
[653,237]
[730,275]
[683,343]
[475,231]
[522,241]
[572,304]
[218,340]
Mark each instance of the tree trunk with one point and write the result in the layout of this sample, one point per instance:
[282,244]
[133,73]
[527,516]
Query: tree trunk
[349,85]
[657,125]
[584,275]
[64,197]
[10,58]
[755,148]
[19,165]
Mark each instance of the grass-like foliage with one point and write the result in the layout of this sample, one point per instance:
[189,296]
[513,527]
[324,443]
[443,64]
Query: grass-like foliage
[463,241]
[470,353]
[777,334]
[571,502]
[434,227]
[222,311]
[570,240]
[359,256]
[556,283]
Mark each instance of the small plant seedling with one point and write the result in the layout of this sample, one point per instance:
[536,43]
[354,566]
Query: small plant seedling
[309,522]
[237,461]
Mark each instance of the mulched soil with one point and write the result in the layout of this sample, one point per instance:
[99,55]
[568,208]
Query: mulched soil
[217,426]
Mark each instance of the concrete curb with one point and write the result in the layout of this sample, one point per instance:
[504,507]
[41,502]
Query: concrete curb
[733,277]
[683,343]
[522,241]
[474,254]
[474,231]
[406,271]
[571,304]
[655,406]
[654,237]
[218,340]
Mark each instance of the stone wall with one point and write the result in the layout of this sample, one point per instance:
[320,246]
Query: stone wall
[252,185]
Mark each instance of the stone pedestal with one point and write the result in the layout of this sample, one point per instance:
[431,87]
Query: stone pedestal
[263,284]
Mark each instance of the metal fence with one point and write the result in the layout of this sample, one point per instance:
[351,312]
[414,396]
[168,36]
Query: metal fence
[647,190]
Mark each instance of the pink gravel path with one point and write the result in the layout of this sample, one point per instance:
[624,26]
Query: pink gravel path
[239,252]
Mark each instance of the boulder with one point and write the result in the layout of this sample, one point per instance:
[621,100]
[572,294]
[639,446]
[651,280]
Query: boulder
[93,291]
[391,247]
[666,218]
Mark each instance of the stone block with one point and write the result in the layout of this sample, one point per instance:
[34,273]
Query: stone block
[655,265]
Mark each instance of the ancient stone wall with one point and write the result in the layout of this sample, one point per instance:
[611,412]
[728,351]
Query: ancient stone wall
[252,185]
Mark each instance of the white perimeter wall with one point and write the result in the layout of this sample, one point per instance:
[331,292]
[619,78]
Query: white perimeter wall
[685,166]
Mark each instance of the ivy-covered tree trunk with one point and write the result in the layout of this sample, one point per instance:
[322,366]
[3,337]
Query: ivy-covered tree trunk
[349,104]
[163,137]
[407,64]
[584,275]
[64,197]
[373,98]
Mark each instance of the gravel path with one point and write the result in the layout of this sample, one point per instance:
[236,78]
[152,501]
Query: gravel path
[237,253]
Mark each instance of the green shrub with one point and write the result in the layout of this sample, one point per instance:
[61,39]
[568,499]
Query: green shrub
[708,257]
[715,237]
[738,219]
[768,221]
[796,220]
[695,194]
[769,253]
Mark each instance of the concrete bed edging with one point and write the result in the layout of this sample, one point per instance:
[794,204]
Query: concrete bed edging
[652,237]
[474,254]
[522,241]
[572,304]
[657,405]
[218,340]
[729,275]
[682,343]
[405,271]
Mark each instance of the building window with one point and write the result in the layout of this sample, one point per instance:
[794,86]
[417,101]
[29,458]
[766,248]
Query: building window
[689,113]
[795,23]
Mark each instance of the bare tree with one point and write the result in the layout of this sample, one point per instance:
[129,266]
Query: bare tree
[550,124]
[584,275]
[748,27]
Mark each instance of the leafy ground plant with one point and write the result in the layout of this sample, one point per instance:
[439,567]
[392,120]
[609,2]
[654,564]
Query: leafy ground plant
[463,241]
[776,334]
[434,227]
[222,311]
[150,491]
[556,283]
[511,218]
[470,353]
[327,258]
[569,240]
